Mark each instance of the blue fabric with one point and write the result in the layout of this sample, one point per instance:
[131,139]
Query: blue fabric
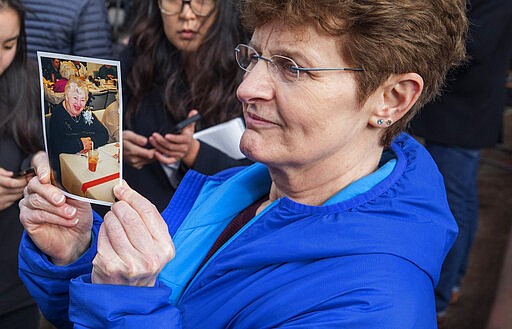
[206,221]
[364,184]
[371,259]
[74,27]
[459,167]
[49,284]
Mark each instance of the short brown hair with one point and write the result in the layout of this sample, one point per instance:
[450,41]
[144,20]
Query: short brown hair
[384,37]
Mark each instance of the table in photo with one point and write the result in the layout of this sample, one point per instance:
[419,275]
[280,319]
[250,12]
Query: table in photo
[78,180]
[102,94]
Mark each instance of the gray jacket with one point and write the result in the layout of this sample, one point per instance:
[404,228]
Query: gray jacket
[75,27]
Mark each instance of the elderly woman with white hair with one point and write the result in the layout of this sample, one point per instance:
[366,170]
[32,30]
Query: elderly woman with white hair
[71,129]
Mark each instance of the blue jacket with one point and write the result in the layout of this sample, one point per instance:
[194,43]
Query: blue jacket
[370,256]
[73,27]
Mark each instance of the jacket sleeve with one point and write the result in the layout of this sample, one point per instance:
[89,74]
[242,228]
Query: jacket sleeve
[68,299]
[117,306]
[48,283]
[92,31]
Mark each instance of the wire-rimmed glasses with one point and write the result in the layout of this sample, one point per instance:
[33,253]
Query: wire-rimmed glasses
[283,68]
[199,7]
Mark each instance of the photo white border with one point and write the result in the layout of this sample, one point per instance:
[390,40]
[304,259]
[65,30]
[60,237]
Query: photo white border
[117,64]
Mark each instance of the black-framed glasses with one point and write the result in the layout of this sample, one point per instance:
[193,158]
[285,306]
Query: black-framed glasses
[282,68]
[199,7]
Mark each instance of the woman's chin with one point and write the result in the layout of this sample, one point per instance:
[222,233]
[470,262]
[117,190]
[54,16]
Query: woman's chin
[252,146]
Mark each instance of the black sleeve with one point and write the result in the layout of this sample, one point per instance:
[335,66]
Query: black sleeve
[210,160]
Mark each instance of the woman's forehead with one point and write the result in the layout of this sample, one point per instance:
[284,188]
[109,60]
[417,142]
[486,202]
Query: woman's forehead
[76,90]
[307,41]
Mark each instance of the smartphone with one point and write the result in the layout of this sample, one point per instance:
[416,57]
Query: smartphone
[28,171]
[182,124]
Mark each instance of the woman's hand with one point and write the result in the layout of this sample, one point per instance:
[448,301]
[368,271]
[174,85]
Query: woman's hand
[86,144]
[60,227]
[134,151]
[174,147]
[134,243]
[11,189]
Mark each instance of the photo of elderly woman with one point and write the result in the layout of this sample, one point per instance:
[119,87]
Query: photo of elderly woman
[84,158]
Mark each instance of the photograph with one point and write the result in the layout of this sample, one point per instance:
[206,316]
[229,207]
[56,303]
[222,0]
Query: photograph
[82,116]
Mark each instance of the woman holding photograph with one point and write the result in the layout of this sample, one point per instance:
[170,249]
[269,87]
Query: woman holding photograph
[179,58]
[20,137]
[71,129]
[342,222]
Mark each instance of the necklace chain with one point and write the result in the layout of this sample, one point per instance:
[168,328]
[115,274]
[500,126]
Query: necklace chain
[76,119]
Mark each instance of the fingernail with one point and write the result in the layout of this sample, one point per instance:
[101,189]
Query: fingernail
[58,198]
[76,221]
[70,211]
[119,190]
[42,173]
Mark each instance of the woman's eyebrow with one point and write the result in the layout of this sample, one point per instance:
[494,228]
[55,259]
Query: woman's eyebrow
[12,39]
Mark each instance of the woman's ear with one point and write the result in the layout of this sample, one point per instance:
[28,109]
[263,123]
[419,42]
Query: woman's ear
[398,94]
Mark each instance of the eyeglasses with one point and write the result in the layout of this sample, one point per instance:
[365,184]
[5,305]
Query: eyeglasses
[283,68]
[199,7]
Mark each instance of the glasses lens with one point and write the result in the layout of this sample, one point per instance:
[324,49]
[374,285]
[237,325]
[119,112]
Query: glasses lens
[284,68]
[170,7]
[246,57]
[199,7]
[202,7]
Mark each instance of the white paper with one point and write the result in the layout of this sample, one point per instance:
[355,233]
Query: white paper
[224,137]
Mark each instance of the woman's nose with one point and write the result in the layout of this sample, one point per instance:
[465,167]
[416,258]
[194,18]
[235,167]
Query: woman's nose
[186,11]
[256,84]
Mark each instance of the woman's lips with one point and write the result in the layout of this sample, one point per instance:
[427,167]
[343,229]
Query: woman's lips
[255,119]
[187,34]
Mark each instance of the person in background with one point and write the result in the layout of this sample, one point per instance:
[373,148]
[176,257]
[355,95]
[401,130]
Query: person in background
[73,27]
[71,129]
[82,70]
[342,222]
[67,70]
[107,72]
[111,120]
[51,69]
[178,61]
[466,118]
[20,136]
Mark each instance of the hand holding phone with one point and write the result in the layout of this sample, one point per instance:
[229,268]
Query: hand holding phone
[182,124]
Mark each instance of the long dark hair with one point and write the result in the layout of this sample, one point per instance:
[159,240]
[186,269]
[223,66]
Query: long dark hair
[211,85]
[20,116]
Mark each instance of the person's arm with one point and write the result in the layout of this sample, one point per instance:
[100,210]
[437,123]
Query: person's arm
[57,241]
[48,283]
[92,31]
[59,140]
[121,306]
[134,245]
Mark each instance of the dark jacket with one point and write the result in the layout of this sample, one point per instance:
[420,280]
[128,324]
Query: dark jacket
[13,294]
[74,27]
[64,134]
[469,112]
